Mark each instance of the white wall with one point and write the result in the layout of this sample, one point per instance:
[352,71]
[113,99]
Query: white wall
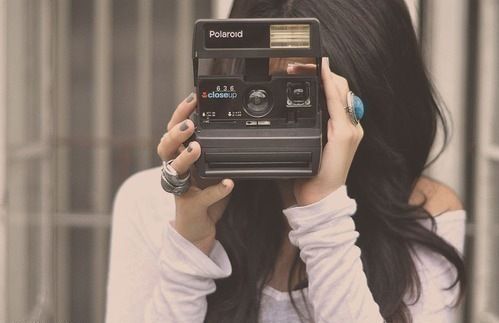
[446,58]
[3,110]
[221,8]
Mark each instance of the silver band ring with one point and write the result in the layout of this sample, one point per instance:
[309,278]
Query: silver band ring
[171,181]
[349,108]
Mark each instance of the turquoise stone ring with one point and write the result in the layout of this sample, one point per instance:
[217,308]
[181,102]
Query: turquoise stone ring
[355,107]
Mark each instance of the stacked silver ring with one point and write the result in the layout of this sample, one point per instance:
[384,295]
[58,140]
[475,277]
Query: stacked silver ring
[171,181]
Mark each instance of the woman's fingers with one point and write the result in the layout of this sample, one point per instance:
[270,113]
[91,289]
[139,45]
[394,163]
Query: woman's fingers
[174,138]
[335,89]
[335,86]
[188,156]
[215,193]
[183,111]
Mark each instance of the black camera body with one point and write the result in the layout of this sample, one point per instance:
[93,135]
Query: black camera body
[251,123]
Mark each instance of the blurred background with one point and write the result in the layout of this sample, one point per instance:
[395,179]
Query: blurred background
[86,90]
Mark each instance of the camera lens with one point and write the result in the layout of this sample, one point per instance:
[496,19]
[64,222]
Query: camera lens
[258,103]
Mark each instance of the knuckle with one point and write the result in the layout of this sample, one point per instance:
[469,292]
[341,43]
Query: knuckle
[330,126]
[159,150]
[329,74]
[353,133]
[179,106]
[344,88]
[169,144]
[342,83]
[330,133]
[173,137]
[345,133]
[171,141]
[341,80]
[341,126]
[361,132]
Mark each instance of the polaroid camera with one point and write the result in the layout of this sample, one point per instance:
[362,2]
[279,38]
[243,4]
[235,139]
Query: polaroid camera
[253,119]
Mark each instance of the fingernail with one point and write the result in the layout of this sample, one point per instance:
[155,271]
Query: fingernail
[190,97]
[184,126]
[224,183]
[189,148]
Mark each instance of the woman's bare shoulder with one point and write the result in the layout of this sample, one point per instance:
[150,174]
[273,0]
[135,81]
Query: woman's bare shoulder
[439,197]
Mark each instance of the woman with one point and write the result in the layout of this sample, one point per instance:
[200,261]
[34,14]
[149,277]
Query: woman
[369,239]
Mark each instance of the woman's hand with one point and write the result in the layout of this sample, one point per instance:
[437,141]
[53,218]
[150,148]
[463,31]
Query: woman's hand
[343,138]
[198,209]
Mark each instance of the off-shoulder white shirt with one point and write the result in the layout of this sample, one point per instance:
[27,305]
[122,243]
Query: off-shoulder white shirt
[155,275]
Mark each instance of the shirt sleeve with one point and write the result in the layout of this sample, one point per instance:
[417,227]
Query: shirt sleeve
[187,277]
[162,281]
[325,234]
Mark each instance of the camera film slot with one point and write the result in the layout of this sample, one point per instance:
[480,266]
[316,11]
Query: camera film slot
[248,162]
[290,36]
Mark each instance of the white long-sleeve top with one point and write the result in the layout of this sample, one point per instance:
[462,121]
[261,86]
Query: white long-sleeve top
[156,275]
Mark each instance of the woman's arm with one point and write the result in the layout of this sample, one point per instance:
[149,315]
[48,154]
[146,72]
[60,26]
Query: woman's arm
[325,234]
[186,278]
[156,275]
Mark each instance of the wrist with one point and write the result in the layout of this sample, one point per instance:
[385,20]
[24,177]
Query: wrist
[205,244]
[312,197]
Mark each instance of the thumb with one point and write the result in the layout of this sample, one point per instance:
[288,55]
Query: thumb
[215,193]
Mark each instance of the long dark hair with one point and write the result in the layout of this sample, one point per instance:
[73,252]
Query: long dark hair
[374,46]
